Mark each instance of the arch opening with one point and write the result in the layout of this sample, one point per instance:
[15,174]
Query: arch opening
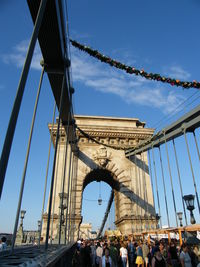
[93,214]
[101,175]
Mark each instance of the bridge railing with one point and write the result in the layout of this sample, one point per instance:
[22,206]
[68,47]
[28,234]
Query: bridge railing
[33,256]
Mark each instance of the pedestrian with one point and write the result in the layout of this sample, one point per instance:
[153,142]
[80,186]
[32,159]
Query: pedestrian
[85,254]
[106,260]
[145,253]
[163,251]
[114,254]
[76,260]
[173,255]
[185,257]
[139,259]
[131,253]
[158,260]
[99,253]
[93,253]
[3,245]
[124,255]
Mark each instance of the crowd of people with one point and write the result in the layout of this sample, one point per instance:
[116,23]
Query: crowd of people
[129,253]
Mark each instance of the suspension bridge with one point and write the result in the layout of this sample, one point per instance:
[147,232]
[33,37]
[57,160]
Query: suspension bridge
[118,151]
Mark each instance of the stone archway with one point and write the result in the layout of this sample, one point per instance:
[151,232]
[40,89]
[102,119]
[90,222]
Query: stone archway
[134,207]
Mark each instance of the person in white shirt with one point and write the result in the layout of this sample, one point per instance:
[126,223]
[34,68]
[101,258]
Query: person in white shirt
[3,245]
[99,253]
[124,255]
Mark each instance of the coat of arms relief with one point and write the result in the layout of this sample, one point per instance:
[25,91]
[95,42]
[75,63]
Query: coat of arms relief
[102,156]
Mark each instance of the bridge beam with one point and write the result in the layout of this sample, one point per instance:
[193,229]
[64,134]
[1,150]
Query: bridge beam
[188,123]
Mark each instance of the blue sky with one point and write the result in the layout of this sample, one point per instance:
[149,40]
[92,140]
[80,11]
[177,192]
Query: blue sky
[159,36]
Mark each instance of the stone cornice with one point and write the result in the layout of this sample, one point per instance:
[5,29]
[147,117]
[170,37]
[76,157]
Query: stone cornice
[134,134]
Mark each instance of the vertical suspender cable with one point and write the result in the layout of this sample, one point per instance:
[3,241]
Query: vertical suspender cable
[46,176]
[55,191]
[74,196]
[180,184]
[26,162]
[137,190]
[19,95]
[74,193]
[196,145]
[194,182]
[60,214]
[140,197]
[163,178]
[68,186]
[170,174]
[64,172]
[132,194]
[152,187]
[54,160]
[145,189]
[70,199]
[155,173]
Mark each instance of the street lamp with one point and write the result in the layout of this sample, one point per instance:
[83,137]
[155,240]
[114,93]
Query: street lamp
[157,220]
[39,225]
[100,201]
[189,200]
[63,197]
[23,212]
[180,217]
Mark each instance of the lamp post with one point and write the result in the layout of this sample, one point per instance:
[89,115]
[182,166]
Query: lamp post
[99,201]
[189,200]
[23,212]
[180,217]
[39,225]
[157,220]
[62,206]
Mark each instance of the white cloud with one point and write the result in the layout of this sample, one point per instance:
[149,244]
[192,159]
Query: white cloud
[178,72]
[132,89]
[18,54]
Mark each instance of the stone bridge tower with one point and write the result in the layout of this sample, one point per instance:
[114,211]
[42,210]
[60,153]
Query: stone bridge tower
[129,177]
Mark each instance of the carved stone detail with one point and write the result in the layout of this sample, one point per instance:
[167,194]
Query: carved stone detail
[102,156]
